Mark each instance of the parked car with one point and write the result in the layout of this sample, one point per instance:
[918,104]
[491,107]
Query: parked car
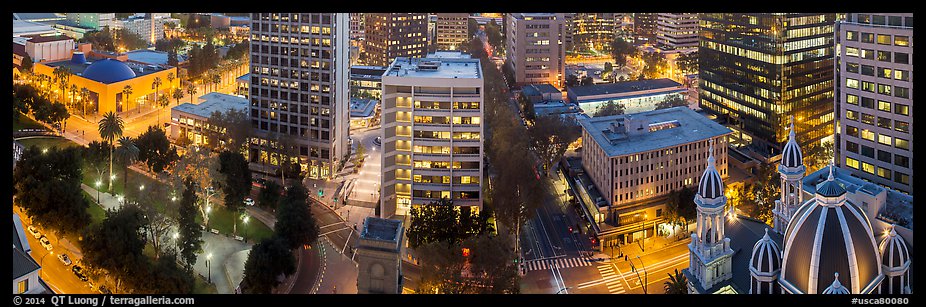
[64,259]
[248,201]
[35,232]
[45,243]
[104,290]
[78,271]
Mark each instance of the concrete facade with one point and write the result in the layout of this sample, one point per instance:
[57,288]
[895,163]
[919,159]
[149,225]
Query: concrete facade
[677,30]
[535,47]
[432,129]
[452,30]
[391,35]
[379,257]
[874,99]
[300,90]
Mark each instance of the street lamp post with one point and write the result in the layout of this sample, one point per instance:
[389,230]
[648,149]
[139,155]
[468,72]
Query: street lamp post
[98,183]
[42,262]
[246,218]
[645,274]
[208,267]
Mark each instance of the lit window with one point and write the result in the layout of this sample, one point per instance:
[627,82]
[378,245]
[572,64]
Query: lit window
[901,40]
[853,163]
[851,99]
[901,178]
[902,143]
[884,173]
[851,83]
[884,139]
[868,168]
[868,135]
[884,106]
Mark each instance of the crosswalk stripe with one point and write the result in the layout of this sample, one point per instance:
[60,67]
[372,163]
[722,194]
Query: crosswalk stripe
[542,264]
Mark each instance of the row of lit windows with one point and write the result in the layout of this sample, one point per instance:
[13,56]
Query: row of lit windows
[447,164]
[446,135]
[465,150]
[882,139]
[883,89]
[435,105]
[882,39]
[881,72]
[446,194]
[446,179]
[883,122]
[885,173]
[882,55]
[475,120]
[883,156]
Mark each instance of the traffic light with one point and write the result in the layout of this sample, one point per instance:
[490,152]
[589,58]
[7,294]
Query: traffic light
[321,193]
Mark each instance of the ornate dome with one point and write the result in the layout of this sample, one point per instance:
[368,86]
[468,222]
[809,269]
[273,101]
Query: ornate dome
[829,235]
[836,287]
[791,155]
[710,185]
[108,71]
[766,257]
[894,252]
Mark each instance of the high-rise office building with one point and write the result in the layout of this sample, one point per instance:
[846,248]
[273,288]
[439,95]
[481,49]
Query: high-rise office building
[874,98]
[452,30]
[589,32]
[756,70]
[432,129]
[300,90]
[677,30]
[356,26]
[391,35]
[644,27]
[535,48]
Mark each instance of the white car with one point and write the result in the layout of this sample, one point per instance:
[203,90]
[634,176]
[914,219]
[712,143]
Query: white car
[64,259]
[45,243]
[248,201]
[35,232]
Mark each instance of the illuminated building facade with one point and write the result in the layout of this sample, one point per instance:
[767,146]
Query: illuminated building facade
[391,35]
[535,48]
[756,70]
[591,31]
[644,27]
[636,160]
[874,101]
[299,89]
[451,30]
[677,30]
[432,132]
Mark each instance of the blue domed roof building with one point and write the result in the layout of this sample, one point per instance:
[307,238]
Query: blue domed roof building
[108,71]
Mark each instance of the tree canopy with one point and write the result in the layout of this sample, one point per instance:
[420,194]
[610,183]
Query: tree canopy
[267,261]
[295,223]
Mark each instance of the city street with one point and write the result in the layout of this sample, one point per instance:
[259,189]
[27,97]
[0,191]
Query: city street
[58,276]
[365,187]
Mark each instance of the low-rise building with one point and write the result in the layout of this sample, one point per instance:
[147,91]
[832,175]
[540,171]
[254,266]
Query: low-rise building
[541,92]
[26,279]
[244,85]
[191,120]
[106,79]
[48,48]
[635,96]
[363,112]
[26,28]
[152,57]
[366,81]
[633,161]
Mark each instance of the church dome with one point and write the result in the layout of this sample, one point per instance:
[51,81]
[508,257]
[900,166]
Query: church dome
[895,262]
[108,71]
[710,185]
[791,155]
[836,287]
[766,257]
[827,235]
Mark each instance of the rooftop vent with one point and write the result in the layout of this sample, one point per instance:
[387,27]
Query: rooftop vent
[428,65]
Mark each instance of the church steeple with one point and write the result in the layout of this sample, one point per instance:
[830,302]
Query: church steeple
[710,253]
[792,171]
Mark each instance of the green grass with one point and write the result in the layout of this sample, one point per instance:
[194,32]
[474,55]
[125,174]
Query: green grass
[201,286]
[221,219]
[47,142]
[135,180]
[25,122]
[97,214]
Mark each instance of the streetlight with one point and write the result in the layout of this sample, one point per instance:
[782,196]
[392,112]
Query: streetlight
[42,262]
[98,183]
[208,210]
[645,274]
[246,218]
[208,267]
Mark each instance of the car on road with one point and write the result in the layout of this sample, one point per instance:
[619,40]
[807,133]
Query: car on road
[104,290]
[64,259]
[45,243]
[79,272]
[35,232]
[249,201]
[378,141]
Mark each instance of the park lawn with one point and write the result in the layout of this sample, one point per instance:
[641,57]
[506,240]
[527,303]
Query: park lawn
[97,214]
[201,286]
[25,122]
[135,180]
[47,142]
[221,219]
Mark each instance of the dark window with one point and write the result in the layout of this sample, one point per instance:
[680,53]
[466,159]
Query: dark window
[884,122]
[863,18]
[851,146]
[885,56]
[853,131]
[901,58]
[901,92]
[879,20]
[896,21]
[908,21]
[901,161]
[852,67]
[868,70]
[901,177]
[884,156]
[868,151]
[902,126]
[868,102]
[868,37]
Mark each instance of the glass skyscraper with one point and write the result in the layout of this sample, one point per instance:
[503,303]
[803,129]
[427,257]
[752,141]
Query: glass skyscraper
[757,70]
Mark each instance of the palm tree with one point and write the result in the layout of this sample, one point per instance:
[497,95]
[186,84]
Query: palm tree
[217,80]
[156,84]
[163,101]
[170,79]
[84,92]
[110,128]
[128,153]
[191,89]
[73,94]
[126,92]
[63,80]
[677,284]
[178,94]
